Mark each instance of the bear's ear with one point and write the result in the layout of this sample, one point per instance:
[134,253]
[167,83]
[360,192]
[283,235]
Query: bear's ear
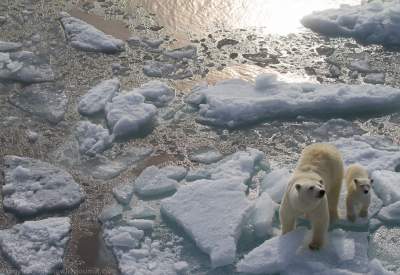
[356,181]
[298,186]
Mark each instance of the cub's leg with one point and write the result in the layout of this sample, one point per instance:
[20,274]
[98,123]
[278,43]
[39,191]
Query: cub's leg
[351,214]
[364,210]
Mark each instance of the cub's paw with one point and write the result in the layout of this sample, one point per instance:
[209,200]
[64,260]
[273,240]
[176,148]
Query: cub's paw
[363,213]
[351,217]
[315,245]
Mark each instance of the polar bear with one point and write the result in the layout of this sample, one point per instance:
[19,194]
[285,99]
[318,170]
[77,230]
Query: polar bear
[358,191]
[313,191]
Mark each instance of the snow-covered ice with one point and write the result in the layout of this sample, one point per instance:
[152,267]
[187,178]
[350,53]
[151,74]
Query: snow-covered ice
[275,183]
[93,139]
[289,254]
[375,22]
[154,181]
[33,187]
[86,37]
[263,216]
[127,115]
[206,155]
[9,46]
[94,101]
[36,247]
[157,93]
[25,67]
[212,212]
[387,186]
[373,152]
[44,100]
[390,214]
[234,103]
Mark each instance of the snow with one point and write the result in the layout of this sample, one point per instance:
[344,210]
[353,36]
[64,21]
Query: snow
[127,114]
[94,101]
[156,93]
[154,181]
[289,254]
[387,186]
[44,100]
[25,67]
[188,52]
[275,183]
[206,155]
[263,216]
[213,212]
[372,152]
[9,46]
[375,78]
[86,37]
[390,213]
[376,22]
[36,247]
[33,187]
[234,103]
[93,139]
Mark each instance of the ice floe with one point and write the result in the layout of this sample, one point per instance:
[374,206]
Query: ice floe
[156,93]
[206,155]
[275,183]
[387,186]
[375,78]
[25,67]
[337,127]
[33,187]
[86,37]
[36,247]
[288,254]
[263,216]
[128,115]
[189,52]
[375,22]
[9,46]
[213,211]
[390,214]
[93,139]
[234,103]
[373,152]
[44,100]
[94,101]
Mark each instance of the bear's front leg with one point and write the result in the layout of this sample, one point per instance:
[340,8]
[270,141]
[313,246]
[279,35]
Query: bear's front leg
[351,215]
[320,223]
[288,220]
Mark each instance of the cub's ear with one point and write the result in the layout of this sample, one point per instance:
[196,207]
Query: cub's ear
[298,187]
[356,181]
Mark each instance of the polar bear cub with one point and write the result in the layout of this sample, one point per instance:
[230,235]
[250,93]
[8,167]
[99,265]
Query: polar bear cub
[313,191]
[358,191]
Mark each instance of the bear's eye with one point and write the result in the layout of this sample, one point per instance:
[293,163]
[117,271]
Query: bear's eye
[311,188]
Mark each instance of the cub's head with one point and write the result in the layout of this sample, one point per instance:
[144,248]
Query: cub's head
[306,193]
[363,185]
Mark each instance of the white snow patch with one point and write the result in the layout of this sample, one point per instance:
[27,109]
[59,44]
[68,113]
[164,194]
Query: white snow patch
[94,101]
[36,247]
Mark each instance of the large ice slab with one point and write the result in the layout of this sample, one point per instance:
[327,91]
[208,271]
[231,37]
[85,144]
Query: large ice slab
[86,37]
[127,114]
[94,101]
[93,139]
[33,187]
[24,67]
[36,247]
[376,22]
[44,100]
[275,183]
[289,254]
[212,212]
[156,93]
[263,216]
[373,152]
[387,186]
[390,214]
[234,103]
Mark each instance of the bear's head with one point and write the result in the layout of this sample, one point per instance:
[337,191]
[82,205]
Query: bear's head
[363,185]
[306,193]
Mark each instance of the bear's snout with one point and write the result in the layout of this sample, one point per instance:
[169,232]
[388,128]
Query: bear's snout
[365,191]
[321,193]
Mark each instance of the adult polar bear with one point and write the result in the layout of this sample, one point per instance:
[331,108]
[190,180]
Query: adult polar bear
[319,171]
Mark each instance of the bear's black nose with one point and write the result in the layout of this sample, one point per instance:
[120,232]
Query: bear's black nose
[321,193]
[365,191]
